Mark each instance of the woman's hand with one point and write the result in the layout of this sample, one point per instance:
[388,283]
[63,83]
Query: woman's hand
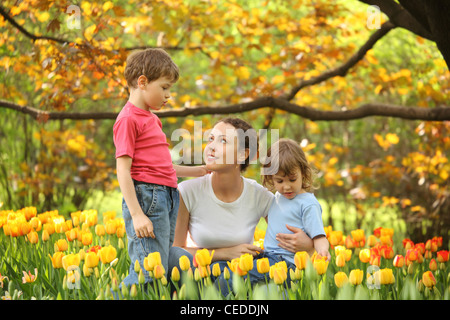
[296,241]
[236,251]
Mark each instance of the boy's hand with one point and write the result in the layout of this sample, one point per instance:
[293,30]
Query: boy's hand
[143,226]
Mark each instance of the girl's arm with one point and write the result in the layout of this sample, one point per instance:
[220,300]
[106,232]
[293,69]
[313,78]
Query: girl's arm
[190,171]
[142,224]
[322,246]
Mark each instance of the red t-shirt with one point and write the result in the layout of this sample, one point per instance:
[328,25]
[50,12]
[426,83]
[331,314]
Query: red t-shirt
[138,134]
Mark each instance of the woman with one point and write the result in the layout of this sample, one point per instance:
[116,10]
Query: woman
[221,210]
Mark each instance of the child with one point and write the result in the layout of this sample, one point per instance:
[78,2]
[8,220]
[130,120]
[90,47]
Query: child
[146,175]
[290,174]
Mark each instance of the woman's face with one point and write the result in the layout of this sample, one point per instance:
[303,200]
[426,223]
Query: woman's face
[221,151]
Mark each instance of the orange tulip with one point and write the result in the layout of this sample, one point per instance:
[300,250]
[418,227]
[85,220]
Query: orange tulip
[372,241]
[86,238]
[428,279]
[375,260]
[36,224]
[158,271]
[399,261]
[45,235]
[407,244]
[33,237]
[28,277]
[442,255]
[234,267]
[433,265]
[412,255]
[358,235]
[421,247]
[387,252]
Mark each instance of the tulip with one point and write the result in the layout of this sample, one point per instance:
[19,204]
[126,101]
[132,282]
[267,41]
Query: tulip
[407,244]
[428,279]
[203,257]
[421,247]
[399,261]
[349,242]
[234,267]
[152,260]
[372,241]
[320,265]
[133,291]
[86,238]
[335,238]
[110,227]
[375,260]
[387,252]
[358,235]
[87,272]
[340,260]
[412,255]
[216,270]
[246,262]
[120,233]
[28,277]
[364,255]
[340,279]
[36,224]
[386,276]
[226,273]
[442,256]
[100,230]
[158,271]
[356,277]
[279,274]
[61,245]
[137,266]
[33,237]
[107,254]
[263,265]
[141,277]
[175,275]
[91,260]
[45,235]
[70,260]
[300,259]
[433,265]
[49,227]
[57,259]
[185,263]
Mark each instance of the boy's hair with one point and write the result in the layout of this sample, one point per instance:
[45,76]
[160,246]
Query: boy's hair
[152,63]
[286,155]
[250,141]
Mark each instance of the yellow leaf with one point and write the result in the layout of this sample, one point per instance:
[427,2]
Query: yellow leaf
[242,73]
[107,5]
[89,32]
[392,138]
[443,174]
[42,17]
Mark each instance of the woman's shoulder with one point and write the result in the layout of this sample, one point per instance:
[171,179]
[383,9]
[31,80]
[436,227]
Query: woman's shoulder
[257,187]
[195,183]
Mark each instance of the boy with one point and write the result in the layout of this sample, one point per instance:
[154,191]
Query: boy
[146,175]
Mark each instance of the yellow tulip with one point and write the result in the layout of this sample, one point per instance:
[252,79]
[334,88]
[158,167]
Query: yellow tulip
[152,260]
[203,257]
[91,260]
[320,265]
[279,274]
[110,227]
[300,259]
[246,262]
[216,270]
[358,235]
[340,259]
[57,259]
[262,265]
[356,277]
[364,255]
[69,260]
[100,230]
[45,235]
[61,245]
[107,254]
[340,279]
[33,237]
[175,276]
[185,263]
[86,238]
[137,266]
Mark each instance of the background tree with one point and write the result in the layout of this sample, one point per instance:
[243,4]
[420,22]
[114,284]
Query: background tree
[305,67]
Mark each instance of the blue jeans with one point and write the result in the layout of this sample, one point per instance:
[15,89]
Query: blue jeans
[160,204]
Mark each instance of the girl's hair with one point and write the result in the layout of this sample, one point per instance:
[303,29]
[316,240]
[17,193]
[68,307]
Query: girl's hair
[247,138]
[152,63]
[286,155]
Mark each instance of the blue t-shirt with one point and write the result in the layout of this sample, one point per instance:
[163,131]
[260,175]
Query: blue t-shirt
[303,211]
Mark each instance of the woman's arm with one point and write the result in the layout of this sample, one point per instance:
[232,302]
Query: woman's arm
[190,171]
[181,232]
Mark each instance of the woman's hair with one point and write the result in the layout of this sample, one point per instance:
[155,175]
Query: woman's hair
[247,138]
[286,155]
[152,63]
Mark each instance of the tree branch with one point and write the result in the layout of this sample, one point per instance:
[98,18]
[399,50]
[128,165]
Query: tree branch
[365,110]
[344,68]
[401,17]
